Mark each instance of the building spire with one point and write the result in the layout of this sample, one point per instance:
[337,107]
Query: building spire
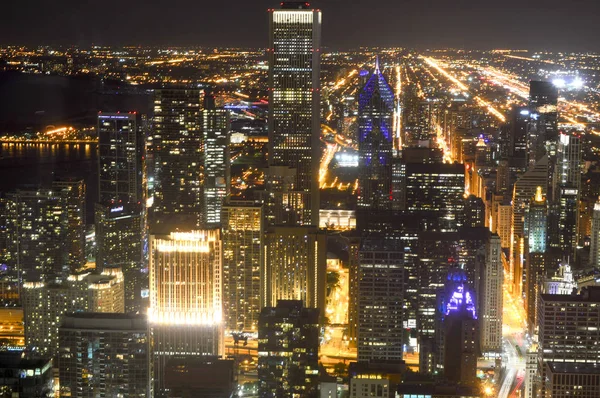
[377,64]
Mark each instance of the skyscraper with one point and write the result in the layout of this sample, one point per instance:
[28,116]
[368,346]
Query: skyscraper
[121,141]
[242,263]
[375,143]
[437,189]
[523,190]
[73,193]
[294,108]
[460,337]
[595,236]
[177,148]
[567,193]
[104,354]
[119,244]
[542,132]
[535,231]
[380,300]
[44,304]
[185,297]
[40,242]
[288,350]
[215,135]
[295,266]
[491,298]
[559,315]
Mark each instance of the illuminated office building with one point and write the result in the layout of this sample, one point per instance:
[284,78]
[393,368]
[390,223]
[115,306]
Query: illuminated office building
[559,316]
[535,231]
[288,350]
[438,189]
[380,300]
[121,140]
[104,355]
[295,266]
[119,243]
[523,190]
[215,131]
[375,143]
[242,226]
[44,304]
[595,236]
[185,297]
[474,212]
[177,148]
[294,114]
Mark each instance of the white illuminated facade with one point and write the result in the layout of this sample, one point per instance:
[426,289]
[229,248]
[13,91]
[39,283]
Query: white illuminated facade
[185,297]
[185,278]
[294,123]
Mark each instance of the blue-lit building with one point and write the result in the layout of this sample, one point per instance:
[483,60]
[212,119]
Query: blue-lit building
[458,332]
[375,142]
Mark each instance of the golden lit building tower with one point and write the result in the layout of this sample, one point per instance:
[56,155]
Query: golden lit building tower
[242,261]
[185,296]
[294,117]
[295,266]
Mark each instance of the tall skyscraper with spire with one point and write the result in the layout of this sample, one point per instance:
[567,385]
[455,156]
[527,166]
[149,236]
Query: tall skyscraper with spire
[294,122]
[375,142]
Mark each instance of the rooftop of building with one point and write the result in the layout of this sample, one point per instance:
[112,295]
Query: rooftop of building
[104,321]
[588,294]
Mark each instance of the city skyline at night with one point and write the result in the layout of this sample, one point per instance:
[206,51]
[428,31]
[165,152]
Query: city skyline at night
[350,200]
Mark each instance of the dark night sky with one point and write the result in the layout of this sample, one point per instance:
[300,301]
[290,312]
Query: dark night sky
[529,24]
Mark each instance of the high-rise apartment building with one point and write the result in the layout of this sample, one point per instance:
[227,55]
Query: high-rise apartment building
[185,297]
[380,300]
[215,136]
[120,235]
[121,143]
[375,143]
[44,304]
[45,231]
[288,350]
[567,332]
[242,226]
[104,354]
[295,266]
[294,114]
[177,149]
